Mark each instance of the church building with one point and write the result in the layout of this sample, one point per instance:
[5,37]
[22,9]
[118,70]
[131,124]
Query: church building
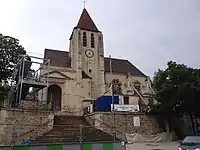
[82,74]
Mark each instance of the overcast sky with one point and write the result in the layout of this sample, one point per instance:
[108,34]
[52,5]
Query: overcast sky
[147,32]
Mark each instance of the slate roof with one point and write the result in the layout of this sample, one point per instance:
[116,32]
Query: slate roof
[119,66]
[58,58]
[85,22]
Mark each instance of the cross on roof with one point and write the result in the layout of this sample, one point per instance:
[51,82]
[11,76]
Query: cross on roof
[84,2]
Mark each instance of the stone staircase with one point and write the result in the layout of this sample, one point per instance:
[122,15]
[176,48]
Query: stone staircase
[73,129]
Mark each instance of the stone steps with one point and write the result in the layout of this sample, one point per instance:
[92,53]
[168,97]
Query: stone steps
[67,129]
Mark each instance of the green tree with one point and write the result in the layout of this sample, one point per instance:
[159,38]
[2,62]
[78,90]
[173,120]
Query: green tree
[177,91]
[10,53]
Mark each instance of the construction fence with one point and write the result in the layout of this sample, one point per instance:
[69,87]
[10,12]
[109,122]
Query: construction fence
[84,146]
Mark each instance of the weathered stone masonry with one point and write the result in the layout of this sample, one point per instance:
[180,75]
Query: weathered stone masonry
[124,123]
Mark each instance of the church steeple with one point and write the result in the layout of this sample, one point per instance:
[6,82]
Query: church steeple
[87,54]
[86,23]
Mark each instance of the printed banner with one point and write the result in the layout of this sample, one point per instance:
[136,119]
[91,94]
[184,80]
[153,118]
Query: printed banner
[126,108]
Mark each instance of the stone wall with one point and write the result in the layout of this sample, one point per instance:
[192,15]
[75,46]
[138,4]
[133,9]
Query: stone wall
[35,105]
[18,125]
[124,123]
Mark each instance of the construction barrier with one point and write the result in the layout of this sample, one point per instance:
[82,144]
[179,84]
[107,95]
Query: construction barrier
[84,146]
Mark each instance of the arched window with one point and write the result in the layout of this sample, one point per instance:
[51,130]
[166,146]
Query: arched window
[92,40]
[84,39]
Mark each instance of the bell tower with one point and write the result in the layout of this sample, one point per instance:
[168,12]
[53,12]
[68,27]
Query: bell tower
[87,53]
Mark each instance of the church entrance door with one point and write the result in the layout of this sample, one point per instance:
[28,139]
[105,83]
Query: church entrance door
[54,97]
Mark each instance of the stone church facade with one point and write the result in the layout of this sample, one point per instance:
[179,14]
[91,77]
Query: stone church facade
[83,73]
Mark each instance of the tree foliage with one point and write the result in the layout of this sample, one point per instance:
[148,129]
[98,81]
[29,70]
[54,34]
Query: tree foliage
[178,90]
[10,53]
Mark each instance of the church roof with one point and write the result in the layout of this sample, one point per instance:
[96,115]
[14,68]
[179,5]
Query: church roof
[122,66]
[86,22]
[119,66]
[58,58]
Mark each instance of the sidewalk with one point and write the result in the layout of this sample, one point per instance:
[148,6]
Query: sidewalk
[149,146]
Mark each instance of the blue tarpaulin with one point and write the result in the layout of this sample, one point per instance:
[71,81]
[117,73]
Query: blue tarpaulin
[103,103]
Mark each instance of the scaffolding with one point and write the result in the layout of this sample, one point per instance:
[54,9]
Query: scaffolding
[30,77]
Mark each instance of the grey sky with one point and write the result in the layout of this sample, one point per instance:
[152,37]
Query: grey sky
[147,32]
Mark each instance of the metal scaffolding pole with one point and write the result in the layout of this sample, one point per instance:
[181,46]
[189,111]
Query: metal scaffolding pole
[18,85]
[21,82]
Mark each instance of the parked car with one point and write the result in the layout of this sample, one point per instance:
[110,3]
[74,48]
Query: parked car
[190,143]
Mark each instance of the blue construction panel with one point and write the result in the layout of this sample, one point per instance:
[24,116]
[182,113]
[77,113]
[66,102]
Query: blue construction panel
[104,103]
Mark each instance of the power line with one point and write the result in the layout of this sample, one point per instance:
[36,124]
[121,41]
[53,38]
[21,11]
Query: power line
[35,53]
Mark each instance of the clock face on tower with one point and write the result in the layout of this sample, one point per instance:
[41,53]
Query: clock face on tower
[89,53]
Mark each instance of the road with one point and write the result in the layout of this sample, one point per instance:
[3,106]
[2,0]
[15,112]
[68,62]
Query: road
[151,146]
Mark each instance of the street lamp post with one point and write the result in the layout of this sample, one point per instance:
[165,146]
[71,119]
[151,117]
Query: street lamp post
[113,108]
